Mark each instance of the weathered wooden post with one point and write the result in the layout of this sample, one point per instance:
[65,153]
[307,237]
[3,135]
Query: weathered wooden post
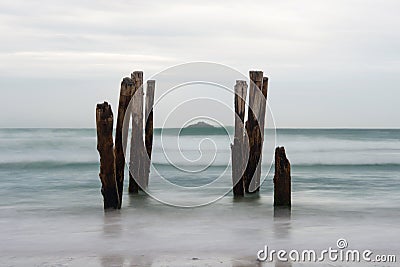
[136,165]
[252,181]
[238,163]
[121,135]
[149,128]
[261,122]
[282,179]
[105,146]
[263,108]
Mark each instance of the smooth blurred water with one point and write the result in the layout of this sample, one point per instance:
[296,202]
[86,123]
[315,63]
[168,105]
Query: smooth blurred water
[346,183]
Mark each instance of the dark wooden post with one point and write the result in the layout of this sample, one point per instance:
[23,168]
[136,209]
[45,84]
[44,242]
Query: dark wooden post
[149,128]
[251,181]
[238,163]
[121,135]
[136,167]
[282,179]
[105,146]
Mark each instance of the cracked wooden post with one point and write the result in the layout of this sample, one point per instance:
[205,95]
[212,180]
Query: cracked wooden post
[282,179]
[238,163]
[121,134]
[136,164]
[105,146]
[251,180]
[149,128]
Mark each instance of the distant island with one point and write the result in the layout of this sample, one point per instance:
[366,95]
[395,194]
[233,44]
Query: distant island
[203,128]
[200,124]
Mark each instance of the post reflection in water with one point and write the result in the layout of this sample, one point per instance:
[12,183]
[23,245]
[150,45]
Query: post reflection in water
[282,222]
[112,226]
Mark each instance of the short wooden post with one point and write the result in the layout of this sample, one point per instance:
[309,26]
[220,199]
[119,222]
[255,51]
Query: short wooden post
[137,151]
[238,163]
[105,146]
[251,180]
[282,179]
[121,135]
[149,128]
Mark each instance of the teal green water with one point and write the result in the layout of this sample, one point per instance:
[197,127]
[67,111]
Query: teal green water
[346,182]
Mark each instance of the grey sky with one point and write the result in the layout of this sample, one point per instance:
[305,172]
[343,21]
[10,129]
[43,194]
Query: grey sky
[330,63]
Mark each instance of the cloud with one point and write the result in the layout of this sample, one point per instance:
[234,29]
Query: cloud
[326,49]
[56,63]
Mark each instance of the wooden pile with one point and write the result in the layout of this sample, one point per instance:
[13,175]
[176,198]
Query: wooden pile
[112,159]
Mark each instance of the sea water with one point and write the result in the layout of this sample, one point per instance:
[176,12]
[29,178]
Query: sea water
[345,184]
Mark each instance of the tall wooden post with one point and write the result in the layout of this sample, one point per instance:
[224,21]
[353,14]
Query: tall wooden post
[149,128]
[252,181]
[238,163]
[136,165]
[263,107]
[261,122]
[282,179]
[105,146]
[121,135]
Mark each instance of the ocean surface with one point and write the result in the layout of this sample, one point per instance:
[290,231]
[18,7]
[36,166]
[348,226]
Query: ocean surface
[346,184]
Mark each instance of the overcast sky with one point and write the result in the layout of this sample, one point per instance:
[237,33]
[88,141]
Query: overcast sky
[330,63]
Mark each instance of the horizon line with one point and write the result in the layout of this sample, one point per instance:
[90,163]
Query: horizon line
[231,126]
